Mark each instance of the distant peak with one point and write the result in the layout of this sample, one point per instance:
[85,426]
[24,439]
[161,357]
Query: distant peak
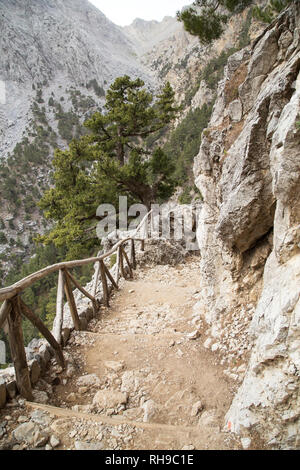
[140,21]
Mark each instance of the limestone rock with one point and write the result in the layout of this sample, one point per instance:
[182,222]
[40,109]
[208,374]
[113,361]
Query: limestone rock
[151,411]
[82,445]
[196,408]
[54,441]
[114,366]
[40,396]
[90,380]
[26,432]
[109,399]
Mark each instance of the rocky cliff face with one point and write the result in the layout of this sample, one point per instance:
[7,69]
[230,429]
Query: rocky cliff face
[248,171]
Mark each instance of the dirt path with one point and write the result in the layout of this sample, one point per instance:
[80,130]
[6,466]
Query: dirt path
[140,347]
[138,380]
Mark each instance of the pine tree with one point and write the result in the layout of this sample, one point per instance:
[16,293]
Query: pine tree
[112,160]
[207,18]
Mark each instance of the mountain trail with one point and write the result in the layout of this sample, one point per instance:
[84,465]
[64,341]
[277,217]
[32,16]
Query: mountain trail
[140,378]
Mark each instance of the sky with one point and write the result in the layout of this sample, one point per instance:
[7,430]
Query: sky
[123,12]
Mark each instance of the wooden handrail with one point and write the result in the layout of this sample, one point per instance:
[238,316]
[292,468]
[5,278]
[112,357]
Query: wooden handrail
[7,293]
[13,306]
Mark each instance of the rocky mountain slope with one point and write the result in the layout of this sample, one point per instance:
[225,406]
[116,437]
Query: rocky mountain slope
[248,171]
[57,59]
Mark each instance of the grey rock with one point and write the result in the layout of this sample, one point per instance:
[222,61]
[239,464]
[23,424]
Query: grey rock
[54,441]
[26,432]
[40,417]
[40,396]
[88,380]
[235,110]
[82,445]
[109,399]
[151,411]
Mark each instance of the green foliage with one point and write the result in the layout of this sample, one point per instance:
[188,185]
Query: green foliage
[184,142]
[269,12]
[3,239]
[67,121]
[111,161]
[81,103]
[96,87]
[186,196]
[113,260]
[208,21]
[213,72]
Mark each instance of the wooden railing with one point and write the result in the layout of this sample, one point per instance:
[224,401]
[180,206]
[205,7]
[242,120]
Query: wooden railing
[13,306]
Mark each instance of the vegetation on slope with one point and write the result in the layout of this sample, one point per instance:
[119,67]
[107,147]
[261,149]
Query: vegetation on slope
[207,19]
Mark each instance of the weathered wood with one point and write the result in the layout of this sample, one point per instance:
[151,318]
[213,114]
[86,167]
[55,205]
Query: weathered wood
[110,277]
[118,266]
[84,292]
[58,321]
[142,224]
[79,287]
[104,284]
[17,350]
[37,322]
[128,262]
[9,292]
[4,312]
[132,255]
[123,272]
[97,273]
[72,304]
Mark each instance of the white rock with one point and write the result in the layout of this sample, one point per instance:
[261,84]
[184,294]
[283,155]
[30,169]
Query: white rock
[54,441]
[246,442]
[40,397]
[115,366]
[26,432]
[151,409]
[109,399]
[196,408]
[90,380]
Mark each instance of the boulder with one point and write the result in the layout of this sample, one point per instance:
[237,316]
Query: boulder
[109,399]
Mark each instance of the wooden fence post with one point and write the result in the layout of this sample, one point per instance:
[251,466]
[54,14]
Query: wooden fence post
[132,254]
[16,343]
[72,304]
[4,312]
[123,273]
[128,263]
[118,266]
[83,291]
[96,279]
[37,322]
[58,321]
[104,284]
